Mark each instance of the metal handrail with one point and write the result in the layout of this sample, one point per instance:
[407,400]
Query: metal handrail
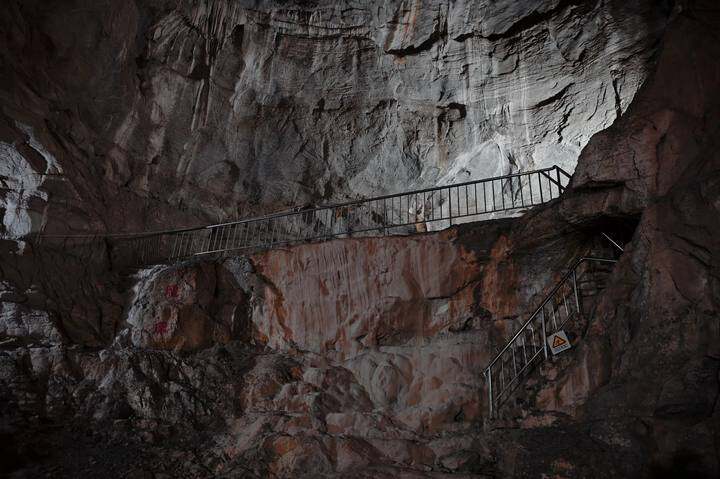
[548,298]
[378,214]
[495,399]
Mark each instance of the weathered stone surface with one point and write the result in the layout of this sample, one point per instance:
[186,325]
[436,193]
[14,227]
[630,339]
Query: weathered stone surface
[19,321]
[644,382]
[186,308]
[301,392]
[362,357]
[198,111]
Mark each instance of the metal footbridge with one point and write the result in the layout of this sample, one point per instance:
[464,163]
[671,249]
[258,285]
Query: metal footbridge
[403,213]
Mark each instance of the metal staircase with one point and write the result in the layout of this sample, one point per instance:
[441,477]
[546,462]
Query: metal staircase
[414,211]
[566,306]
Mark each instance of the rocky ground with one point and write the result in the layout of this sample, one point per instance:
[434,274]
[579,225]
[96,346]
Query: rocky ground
[363,357]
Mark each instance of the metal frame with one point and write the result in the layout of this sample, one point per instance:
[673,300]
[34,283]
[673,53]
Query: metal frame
[441,206]
[523,349]
[475,200]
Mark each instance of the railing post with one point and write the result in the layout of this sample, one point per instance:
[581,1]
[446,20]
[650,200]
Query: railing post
[542,199]
[450,203]
[575,290]
[544,338]
[385,218]
[561,188]
[488,375]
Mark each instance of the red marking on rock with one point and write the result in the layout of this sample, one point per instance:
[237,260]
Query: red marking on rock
[171,291]
[161,327]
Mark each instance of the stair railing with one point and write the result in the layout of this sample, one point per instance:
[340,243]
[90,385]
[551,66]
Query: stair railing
[529,344]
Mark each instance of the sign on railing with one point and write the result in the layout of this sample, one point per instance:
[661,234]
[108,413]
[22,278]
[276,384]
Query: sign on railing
[529,344]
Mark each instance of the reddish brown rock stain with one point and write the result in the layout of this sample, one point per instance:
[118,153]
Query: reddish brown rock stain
[160,328]
[329,296]
[171,291]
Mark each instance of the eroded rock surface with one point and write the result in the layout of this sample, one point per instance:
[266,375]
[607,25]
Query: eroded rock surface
[363,357]
[135,115]
[321,359]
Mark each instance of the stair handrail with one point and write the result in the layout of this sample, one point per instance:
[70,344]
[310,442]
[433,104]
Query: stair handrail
[572,273]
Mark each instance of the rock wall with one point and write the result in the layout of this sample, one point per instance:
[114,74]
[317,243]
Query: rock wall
[646,380]
[320,359]
[362,357]
[134,115]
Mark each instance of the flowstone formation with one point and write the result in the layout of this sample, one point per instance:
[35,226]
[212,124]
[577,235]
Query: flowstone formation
[363,357]
[124,116]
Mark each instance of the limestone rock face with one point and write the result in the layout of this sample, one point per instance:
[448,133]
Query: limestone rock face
[650,364]
[345,296]
[198,111]
[183,308]
[362,353]
[359,357]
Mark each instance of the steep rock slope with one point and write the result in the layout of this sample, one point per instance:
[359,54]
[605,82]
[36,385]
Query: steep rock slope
[120,116]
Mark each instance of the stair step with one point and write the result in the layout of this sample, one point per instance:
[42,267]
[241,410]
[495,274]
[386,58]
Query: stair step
[506,372]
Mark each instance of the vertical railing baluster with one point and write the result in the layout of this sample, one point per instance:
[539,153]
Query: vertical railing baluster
[532,199]
[575,291]
[184,242]
[206,242]
[560,187]
[458,202]
[273,235]
[218,238]
[492,183]
[502,195]
[511,180]
[532,336]
[222,239]
[467,202]
[384,219]
[485,205]
[175,247]
[550,186]
[488,375]
[544,331]
[246,235]
[236,229]
[476,197]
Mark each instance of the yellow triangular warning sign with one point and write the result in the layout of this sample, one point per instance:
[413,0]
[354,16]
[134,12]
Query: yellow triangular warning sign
[558,341]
